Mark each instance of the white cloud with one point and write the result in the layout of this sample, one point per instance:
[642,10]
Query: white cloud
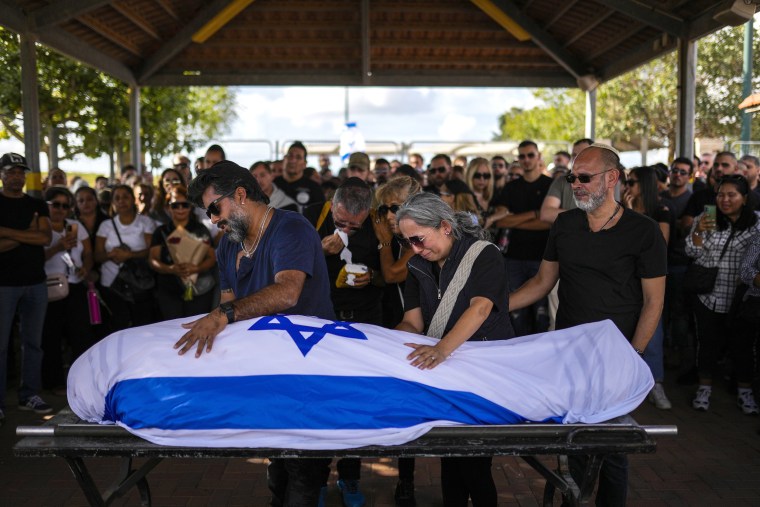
[455,127]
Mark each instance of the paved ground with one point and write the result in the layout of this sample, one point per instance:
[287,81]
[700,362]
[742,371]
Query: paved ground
[715,460]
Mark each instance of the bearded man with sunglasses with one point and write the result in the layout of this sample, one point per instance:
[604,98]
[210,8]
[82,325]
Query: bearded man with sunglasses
[438,173]
[270,262]
[24,232]
[612,263]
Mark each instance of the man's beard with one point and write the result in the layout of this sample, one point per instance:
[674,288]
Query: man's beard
[595,199]
[237,226]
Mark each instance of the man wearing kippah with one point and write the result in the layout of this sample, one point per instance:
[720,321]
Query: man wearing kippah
[612,264]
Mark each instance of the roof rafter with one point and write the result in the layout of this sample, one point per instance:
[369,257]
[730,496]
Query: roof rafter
[181,40]
[63,10]
[113,36]
[136,19]
[570,63]
[649,50]
[650,16]
[589,26]
[366,55]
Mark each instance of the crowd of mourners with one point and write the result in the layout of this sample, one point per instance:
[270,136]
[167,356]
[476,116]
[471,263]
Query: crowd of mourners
[141,250]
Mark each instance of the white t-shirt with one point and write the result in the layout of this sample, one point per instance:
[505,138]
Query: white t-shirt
[133,235]
[55,264]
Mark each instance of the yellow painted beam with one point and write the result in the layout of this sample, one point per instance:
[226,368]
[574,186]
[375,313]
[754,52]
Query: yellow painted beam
[221,19]
[502,19]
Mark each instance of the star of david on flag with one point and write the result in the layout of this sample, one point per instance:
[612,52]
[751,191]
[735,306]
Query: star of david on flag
[306,337]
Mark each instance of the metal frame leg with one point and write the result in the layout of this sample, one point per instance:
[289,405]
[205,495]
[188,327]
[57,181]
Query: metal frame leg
[126,480]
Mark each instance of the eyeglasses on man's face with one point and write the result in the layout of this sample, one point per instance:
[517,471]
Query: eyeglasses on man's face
[679,172]
[584,177]
[440,170]
[213,207]
[523,156]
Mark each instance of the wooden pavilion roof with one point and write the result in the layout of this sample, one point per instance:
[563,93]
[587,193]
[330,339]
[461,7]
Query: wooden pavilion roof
[365,42]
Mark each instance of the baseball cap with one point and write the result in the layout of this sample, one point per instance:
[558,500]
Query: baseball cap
[359,159]
[10,160]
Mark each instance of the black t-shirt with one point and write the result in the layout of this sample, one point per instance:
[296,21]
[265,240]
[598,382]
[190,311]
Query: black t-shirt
[308,195]
[173,282]
[677,241]
[25,264]
[363,247]
[393,294]
[698,200]
[520,196]
[600,272]
[676,204]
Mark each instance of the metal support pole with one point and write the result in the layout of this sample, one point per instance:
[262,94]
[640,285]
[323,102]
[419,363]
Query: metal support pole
[687,71]
[134,125]
[52,148]
[31,108]
[747,90]
[591,114]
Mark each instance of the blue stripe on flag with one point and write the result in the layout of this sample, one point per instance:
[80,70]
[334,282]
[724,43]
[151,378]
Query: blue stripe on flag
[317,402]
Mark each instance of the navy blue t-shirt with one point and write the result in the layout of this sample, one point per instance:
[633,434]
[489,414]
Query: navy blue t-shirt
[289,243]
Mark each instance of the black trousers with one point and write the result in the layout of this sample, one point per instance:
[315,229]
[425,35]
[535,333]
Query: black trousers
[297,482]
[467,478]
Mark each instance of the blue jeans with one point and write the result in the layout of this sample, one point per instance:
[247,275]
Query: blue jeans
[534,318]
[653,353]
[31,303]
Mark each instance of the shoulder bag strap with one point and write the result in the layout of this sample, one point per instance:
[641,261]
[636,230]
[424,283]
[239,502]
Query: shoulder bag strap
[115,228]
[443,313]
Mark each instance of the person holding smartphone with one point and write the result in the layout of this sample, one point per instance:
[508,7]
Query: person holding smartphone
[67,321]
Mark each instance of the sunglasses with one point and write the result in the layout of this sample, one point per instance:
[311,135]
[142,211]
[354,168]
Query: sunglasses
[213,208]
[440,170]
[630,182]
[344,225]
[722,164]
[180,204]
[522,156]
[418,241]
[584,178]
[59,205]
[481,176]
[383,209]
[173,182]
[679,172]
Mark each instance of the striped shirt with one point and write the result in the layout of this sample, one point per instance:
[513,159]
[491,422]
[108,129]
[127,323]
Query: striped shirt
[750,266]
[708,255]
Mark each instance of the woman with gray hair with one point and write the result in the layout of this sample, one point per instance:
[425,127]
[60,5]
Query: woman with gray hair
[456,291]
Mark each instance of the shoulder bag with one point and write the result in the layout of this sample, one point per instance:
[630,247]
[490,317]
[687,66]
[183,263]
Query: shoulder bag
[135,278]
[57,286]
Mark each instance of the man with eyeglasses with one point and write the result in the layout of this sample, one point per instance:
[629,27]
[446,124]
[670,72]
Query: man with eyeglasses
[382,171]
[438,173]
[24,233]
[521,199]
[270,262]
[677,311]
[182,165]
[348,239]
[612,264]
[499,170]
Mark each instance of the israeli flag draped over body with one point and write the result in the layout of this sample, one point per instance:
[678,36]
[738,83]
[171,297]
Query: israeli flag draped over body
[304,383]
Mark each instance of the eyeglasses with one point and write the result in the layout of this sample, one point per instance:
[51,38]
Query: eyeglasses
[584,178]
[679,172]
[180,204]
[213,208]
[344,225]
[418,241]
[383,209]
[59,205]
[173,182]
[522,156]
[440,170]
[481,176]
[630,182]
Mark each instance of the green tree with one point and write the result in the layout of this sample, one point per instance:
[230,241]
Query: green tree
[558,119]
[90,110]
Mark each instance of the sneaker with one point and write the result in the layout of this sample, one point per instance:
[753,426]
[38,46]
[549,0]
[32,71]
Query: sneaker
[657,396]
[405,494]
[702,399]
[322,496]
[352,497]
[36,404]
[746,402]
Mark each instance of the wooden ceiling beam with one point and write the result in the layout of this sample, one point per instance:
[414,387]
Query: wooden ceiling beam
[136,19]
[649,16]
[107,32]
[167,6]
[61,11]
[542,39]
[181,39]
[560,13]
[647,51]
[366,44]
[589,26]
[615,41]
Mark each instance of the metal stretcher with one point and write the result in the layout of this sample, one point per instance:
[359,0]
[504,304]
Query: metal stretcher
[66,436]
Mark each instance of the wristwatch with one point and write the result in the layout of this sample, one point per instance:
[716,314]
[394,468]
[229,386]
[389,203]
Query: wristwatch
[381,245]
[226,309]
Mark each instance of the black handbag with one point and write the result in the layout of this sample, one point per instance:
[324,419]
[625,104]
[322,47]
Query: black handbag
[700,279]
[135,279]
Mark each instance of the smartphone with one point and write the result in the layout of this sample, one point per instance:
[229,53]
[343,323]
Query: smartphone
[72,229]
[710,211]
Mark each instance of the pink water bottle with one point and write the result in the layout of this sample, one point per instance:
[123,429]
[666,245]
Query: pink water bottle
[93,303]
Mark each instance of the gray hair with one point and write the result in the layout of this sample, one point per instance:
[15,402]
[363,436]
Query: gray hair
[429,210]
[357,199]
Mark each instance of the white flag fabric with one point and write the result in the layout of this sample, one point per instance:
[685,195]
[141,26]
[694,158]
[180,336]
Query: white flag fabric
[304,383]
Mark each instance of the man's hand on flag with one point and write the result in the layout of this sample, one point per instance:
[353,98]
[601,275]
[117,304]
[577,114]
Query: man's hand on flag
[202,333]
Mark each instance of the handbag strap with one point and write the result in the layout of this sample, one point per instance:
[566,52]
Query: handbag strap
[113,220]
[725,246]
[446,306]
